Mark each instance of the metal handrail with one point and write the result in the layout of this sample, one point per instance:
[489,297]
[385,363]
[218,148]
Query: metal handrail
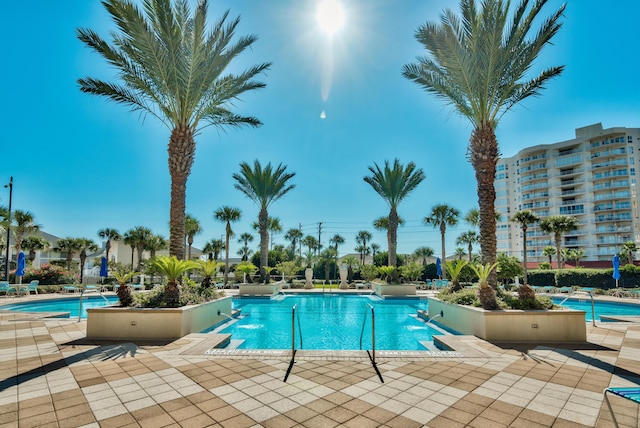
[593,305]
[364,321]
[293,339]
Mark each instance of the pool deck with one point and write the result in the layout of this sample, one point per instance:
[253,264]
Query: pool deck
[53,376]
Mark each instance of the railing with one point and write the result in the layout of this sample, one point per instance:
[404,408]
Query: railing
[372,354]
[593,309]
[293,338]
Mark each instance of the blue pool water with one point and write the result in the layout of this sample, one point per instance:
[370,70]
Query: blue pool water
[601,307]
[70,305]
[331,323]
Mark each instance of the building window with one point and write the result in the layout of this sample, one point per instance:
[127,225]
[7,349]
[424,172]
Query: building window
[632,171]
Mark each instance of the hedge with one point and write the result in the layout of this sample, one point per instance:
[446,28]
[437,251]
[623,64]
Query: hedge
[596,278]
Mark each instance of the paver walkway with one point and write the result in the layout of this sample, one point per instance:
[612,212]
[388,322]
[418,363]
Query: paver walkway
[50,375]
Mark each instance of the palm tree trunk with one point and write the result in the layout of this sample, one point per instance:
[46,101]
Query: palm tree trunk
[140,250]
[443,262]
[524,248]
[470,250]
[558,244]
[263,217]
[392,243]
[226,254]
[484,157]
[181,153]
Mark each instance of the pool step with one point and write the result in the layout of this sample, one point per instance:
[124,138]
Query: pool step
[234,343]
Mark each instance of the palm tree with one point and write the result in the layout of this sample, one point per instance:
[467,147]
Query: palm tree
[214,247]
[486,293]
[441,216]
[351,262]
[394,184]
[468,238]
[454,269]
[69,246]
[137,238]
[311,243]
[263,186]
[208,269]
[85,244]
[109,235]
[156,243]
[326,257]
[191,229]
[549,251]
[24,224]
[628,248]
[423,253]
[173,269]
[362,238]
[473,217]
[479,63]
[33,244]
[336,240]
[176,71]
[129,239]
[460,253]
[124,291]
[293,236]
[244,239]
[557,225]
[524,218]
[375,249]
[227,215]
[273,226]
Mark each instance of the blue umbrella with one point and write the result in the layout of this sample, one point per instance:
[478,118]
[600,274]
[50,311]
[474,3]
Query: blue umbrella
[20,269]
[616,268]
[438,267]
[104,271]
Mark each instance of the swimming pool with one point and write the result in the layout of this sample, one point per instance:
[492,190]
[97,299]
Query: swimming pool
[68,304]
[601,307]
[331,323]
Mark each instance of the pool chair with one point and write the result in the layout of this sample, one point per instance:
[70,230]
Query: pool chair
[90,289]
[33,286]
[548,289]
[6,289]
[565,289]
[137,287]
[629,393]
[70,289]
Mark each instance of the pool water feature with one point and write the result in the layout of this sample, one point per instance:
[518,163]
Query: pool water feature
[67,304]
[330,322]
[602,307]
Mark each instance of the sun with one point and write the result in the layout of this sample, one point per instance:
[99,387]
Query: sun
[330,16]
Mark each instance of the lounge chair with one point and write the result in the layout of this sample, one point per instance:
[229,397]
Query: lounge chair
[33,286]
[629,393]
[565,289]
[138,287]
[90,289]
[70,289]
[6,289]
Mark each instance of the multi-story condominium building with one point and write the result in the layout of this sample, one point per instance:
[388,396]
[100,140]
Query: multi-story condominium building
[592,177]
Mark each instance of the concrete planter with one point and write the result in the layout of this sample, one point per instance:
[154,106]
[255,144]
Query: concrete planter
[395,289]
[258,289]
[113,322]
[511,325]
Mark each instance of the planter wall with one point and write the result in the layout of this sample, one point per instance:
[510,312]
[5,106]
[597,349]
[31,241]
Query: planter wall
[154,323]
[511,325]
[395,290]
[258,289]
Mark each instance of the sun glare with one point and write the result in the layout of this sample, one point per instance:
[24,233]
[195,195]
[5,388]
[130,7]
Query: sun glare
[330,16]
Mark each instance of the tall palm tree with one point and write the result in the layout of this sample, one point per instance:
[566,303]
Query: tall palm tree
[423,253]
[294,236]
[244,239]
[442,215]
[85,245]
[109,235]
[394,184]
[213,248]
[273,226]
[156,243]
[33,244]
[480,63]
[312,244]
[375,249]
[129,238]
[362,238]
[172,68]
[138,238]
[24,224]
[557,225]
[263,186]
[524,218]
[69,246]
[336,240]
[382,223]
[191,229]
[227,215]
[468,238]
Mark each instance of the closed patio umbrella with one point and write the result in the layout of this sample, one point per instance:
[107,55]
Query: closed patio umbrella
[616,271]
[104,270]
[20,269]
[438,267]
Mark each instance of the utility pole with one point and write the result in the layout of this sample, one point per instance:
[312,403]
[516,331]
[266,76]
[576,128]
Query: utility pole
[300,246]
[6,260]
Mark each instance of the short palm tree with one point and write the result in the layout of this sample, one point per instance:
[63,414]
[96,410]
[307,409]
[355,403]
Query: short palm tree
[524,218]
[312,245]
[213,248]
[173,269]
[244,239]
[460,253]
[557,225]
[23,225]
[247,268]
[69,246]
[486,293]
[362,238]
[109,235]
[394,183]
[423,253]
[468,238]
[454,269]
[137,238]
[549,251]
[156,243]
[480,64]
[227,215]
[388,272]
[351,263]
[33,244]
[263,186]
[628,249]
[209,269]
[442,215]
[124,291]
[191,229]
[294,236]
[172,68]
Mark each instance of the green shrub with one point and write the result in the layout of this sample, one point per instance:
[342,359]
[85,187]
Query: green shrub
[49,274]
[466,296]
[190,294]
[541,278]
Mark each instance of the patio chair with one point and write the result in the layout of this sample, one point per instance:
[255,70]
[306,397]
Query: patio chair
[33,286]
[629,393]
[70,289]
[90,289]
[6,289]
[565,289]
[137,287]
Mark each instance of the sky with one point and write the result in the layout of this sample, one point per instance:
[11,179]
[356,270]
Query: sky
[81,163]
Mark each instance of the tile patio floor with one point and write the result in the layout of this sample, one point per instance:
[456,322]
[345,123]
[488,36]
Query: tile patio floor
[50,375]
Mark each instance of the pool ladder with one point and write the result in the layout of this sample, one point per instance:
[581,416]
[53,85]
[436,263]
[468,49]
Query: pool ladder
[372,354]
[294,315]
[80,302]
[593,309]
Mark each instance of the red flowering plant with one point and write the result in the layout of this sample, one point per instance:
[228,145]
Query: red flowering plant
[49,274]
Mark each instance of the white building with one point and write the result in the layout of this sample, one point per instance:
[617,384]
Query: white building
[591,177]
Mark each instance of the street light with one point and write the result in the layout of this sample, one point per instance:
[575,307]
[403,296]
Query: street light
[6,260]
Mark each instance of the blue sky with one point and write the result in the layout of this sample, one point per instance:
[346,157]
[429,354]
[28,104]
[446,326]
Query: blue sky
[81,163]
